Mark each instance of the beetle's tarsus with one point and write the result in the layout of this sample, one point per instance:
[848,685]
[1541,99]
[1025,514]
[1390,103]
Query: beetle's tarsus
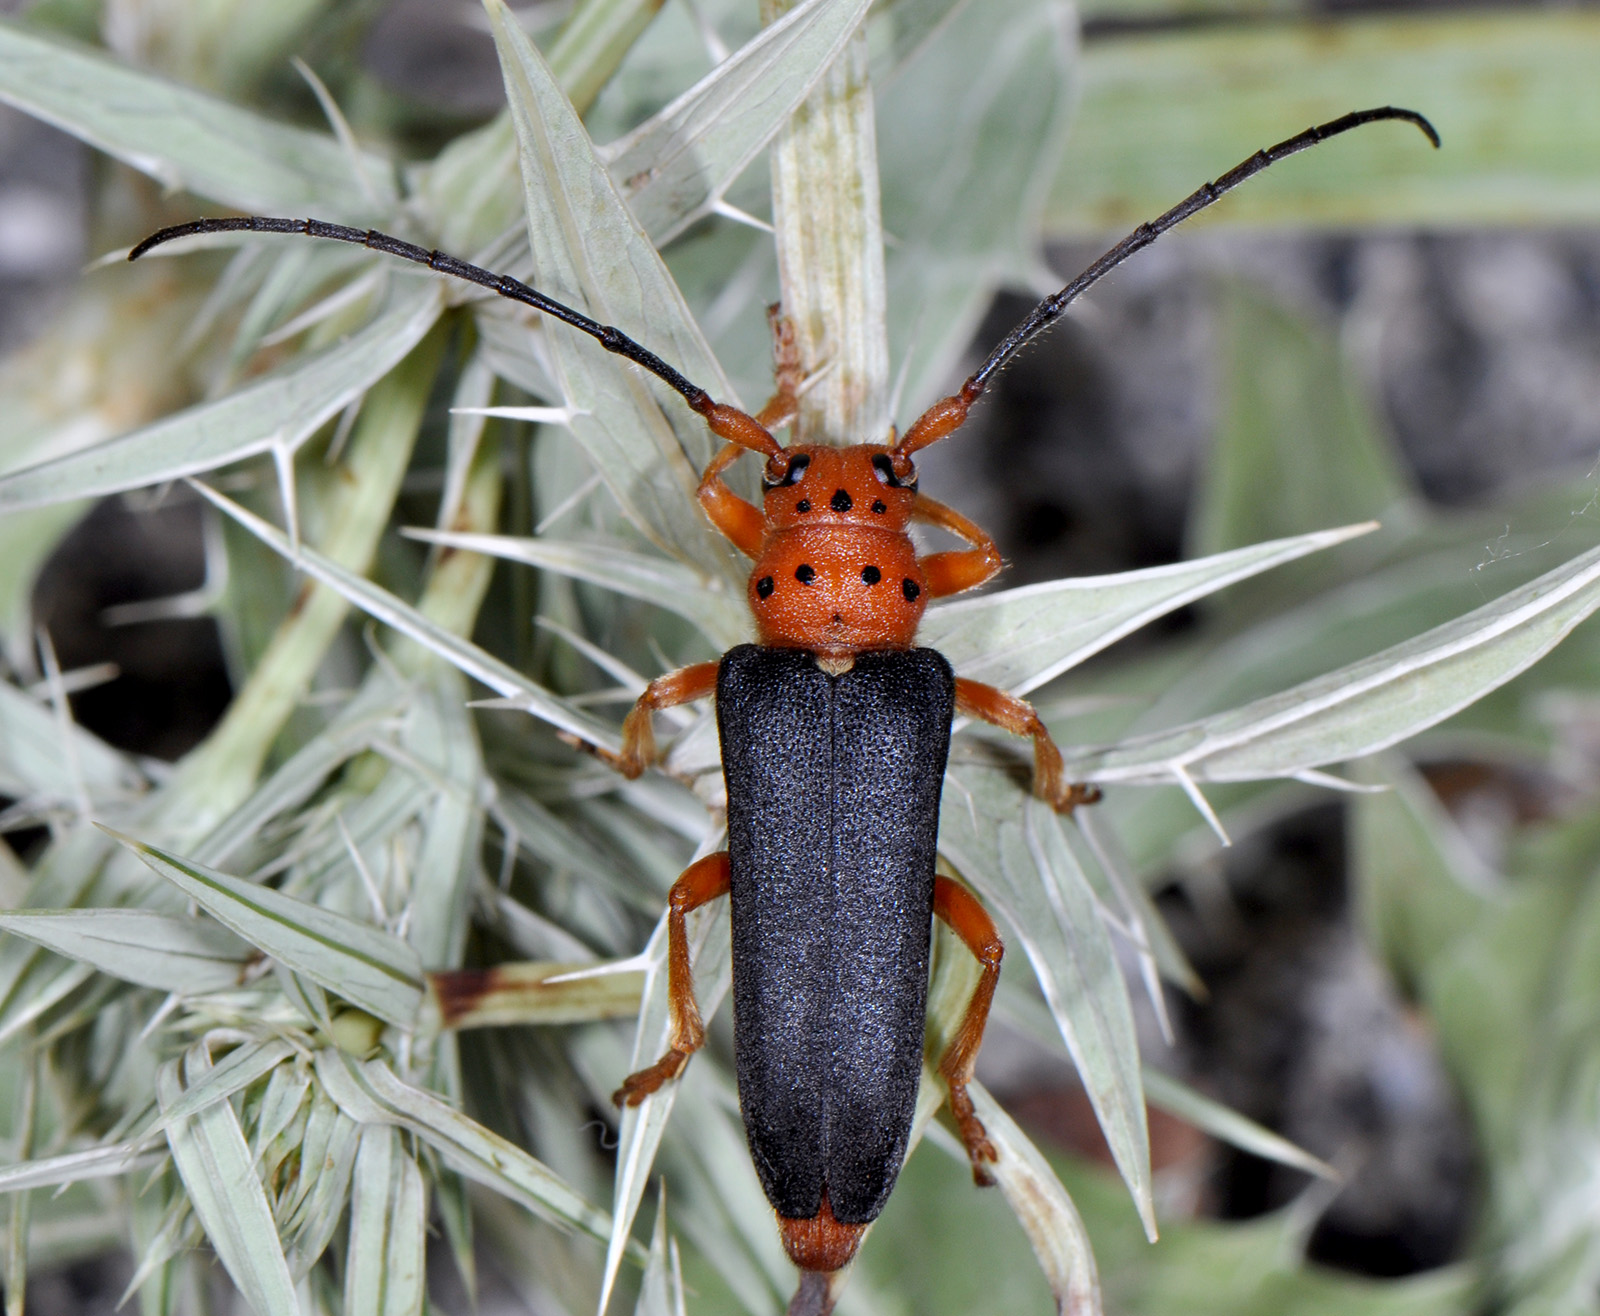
[980,1151]
[636,1087]
[628,767]
[1070,796]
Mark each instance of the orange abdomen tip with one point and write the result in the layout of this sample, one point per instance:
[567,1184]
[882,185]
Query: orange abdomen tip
[821,1243]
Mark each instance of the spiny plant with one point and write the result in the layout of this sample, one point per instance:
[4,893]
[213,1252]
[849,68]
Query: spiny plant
[233,994]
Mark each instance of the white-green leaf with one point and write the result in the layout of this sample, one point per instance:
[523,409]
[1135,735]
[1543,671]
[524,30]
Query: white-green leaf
[236,1071]
[183,138]
[366,966]
[74,1167]
[646,444]
[276,413]
[1010,847]
[48,757]
[661,1289]
[1368,705]
[720,612]
[183,955]
[381,700]
[388,1229]
[377,602]
[1043,1209]
[642,1126]
[370,1093]
[675,166]
[309,1216]
[439,734]
[228,1199]
[969,135]
[1221,1122]
[1020,638]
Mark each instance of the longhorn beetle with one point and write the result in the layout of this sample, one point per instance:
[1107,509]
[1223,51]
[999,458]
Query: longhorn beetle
[835,730]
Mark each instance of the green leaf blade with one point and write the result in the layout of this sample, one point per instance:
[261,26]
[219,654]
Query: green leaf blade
[1020,638]
[366,966]
[183,955]
[183,138]
[228,1199]
[279,412]
[646,444]
[676,165]
[1369,705]
[1010,847]
[370,1093]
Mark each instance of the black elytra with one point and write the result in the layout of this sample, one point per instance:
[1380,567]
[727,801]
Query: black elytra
[833,819]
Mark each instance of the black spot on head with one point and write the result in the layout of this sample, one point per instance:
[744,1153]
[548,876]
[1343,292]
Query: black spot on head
[883,467]
[805,573]
[840,502]
[804,505]
[910,589]
[871,575]
[793,469]
[879,506]
[764,587]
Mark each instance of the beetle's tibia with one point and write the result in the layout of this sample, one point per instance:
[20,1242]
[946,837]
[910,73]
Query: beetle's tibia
[820,1243]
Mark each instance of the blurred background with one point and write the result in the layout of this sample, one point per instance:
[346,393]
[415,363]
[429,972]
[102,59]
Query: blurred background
[1444,337]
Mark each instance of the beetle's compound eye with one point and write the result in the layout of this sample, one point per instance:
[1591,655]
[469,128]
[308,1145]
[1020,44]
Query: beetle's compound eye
[901,475]
[782,469]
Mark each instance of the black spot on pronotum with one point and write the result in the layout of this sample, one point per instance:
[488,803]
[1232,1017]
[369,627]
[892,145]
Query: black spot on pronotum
[840,502]
[910,589]
[804,505]
[764,587]
[871,575]
[879,506]
[805,573]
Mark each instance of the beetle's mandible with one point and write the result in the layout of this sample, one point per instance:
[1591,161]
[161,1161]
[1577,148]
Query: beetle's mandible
[835,730]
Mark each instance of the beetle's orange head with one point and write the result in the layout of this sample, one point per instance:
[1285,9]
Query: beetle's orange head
[838,573]
[863,485]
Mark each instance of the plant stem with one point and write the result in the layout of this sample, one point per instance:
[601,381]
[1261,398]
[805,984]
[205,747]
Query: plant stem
[829,228]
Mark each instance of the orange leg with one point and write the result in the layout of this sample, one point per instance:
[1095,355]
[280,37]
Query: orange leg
[741,522]
[974,699]
[959,908]
[964,569]
[638,737]
[787,372]
[702,882]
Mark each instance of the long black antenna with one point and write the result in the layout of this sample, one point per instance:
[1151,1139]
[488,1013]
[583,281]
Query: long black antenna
[613,340]
[1047,312]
